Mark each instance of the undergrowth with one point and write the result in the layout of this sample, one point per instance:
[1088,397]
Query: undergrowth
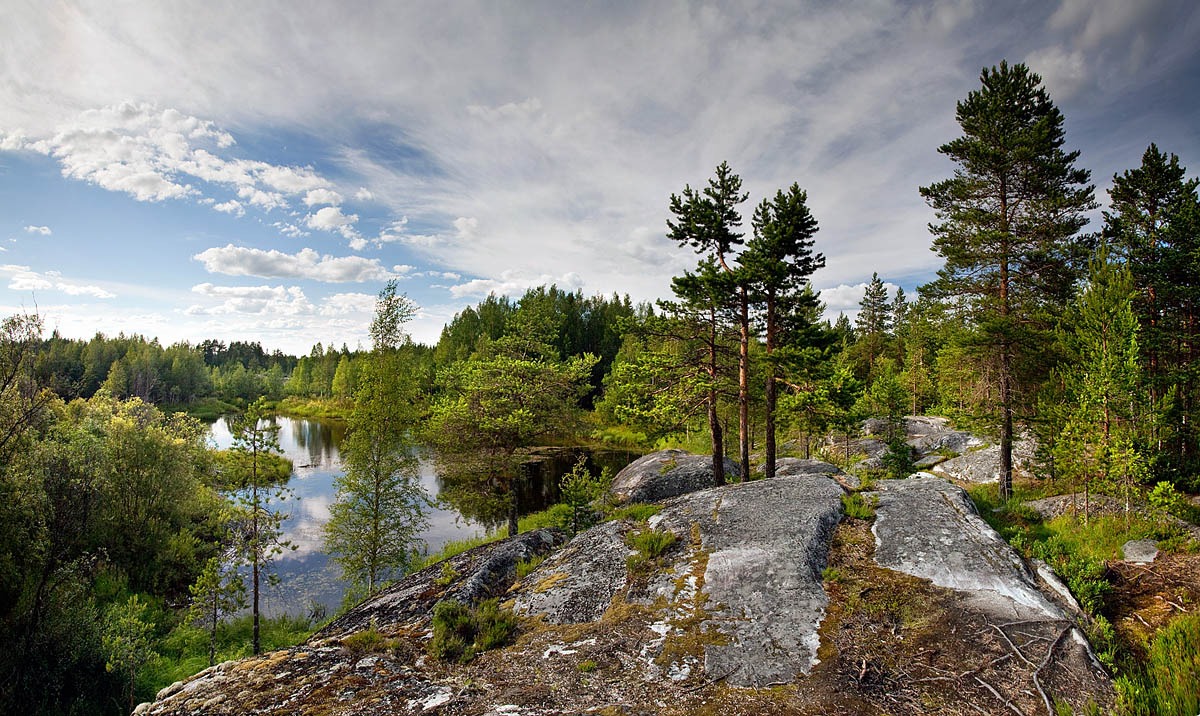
[460,632]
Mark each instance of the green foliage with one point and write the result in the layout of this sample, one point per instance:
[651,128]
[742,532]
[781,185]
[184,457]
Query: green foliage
[447,576]
[586,666]
[526,566]
[1015,201]
[649,544]
[380,506]
[127,642]
[635,511]
[367,641]
[857,506]
[460,632]
[1166,686]
[579,489]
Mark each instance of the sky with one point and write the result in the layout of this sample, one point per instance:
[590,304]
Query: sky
[258,171]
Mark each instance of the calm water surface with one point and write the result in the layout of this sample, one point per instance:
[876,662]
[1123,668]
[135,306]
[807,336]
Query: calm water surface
[307,576]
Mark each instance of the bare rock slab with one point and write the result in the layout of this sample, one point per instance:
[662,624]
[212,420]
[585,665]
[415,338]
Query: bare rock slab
[927,527]
[766,543]
[665,474]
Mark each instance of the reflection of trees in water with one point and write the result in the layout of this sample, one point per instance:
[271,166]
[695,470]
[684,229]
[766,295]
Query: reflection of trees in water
[476,485]
[319,439]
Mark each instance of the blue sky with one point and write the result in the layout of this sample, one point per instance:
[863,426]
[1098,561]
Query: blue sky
[257,171]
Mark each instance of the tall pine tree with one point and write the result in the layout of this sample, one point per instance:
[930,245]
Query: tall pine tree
[1008,227]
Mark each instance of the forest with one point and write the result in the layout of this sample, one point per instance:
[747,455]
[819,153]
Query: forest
[131,550]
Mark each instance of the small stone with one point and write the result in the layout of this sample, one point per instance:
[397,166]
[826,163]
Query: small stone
[1140,551]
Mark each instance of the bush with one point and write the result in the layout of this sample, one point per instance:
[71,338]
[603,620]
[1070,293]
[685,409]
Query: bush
[460,632]
[637,511]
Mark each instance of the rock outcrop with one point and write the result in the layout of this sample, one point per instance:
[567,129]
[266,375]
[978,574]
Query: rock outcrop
[665,474]
[759,597]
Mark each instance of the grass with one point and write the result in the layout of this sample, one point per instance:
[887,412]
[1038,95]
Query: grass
[649,544]
[206,409]
[1166,685]
[857,506]
[526,566]
[184,651]
[328,408]
[637,512]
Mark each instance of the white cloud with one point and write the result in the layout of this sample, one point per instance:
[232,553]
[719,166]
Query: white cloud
[23,278]
[512,284]
[363,194]
[233,206]
[322,196]
[331,218]
[42,230]
[846,298]
[153,154]
[306,264]
[256,300]
[340,304]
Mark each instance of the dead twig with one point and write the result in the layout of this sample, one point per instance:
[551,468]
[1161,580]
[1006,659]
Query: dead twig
[996,693]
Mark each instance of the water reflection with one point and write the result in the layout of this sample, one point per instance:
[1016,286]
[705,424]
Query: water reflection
[307,576]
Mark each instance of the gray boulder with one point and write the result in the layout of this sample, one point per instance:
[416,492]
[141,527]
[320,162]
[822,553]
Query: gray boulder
[956,441]
[763,545]
[665,474]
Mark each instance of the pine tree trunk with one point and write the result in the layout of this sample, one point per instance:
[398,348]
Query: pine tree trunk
[744,383]
[769,464]
[257,550]
[714,421]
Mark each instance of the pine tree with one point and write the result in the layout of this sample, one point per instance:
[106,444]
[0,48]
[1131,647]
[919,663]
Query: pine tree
[255,457]
[707,220]
[872,325]
[1008,226]
[779,261]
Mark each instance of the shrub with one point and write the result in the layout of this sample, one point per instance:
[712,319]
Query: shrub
[460,632]
[1167,686]
[367,641]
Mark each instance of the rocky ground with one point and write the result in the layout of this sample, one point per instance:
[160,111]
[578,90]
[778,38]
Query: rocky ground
[766,598]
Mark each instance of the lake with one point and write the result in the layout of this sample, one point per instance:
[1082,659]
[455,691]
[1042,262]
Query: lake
[307,577]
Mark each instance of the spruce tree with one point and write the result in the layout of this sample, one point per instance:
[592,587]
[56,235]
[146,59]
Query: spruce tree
[1154,226]
[1008,227]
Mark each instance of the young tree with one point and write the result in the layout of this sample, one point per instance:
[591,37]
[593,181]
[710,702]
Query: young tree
[707,220]
[127,642]
[872,325]
[1103,381]
[779,261]
[216,593]
[1008,225]
[255,459]
[379,512]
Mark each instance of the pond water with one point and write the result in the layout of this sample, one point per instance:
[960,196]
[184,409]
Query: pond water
[308,578]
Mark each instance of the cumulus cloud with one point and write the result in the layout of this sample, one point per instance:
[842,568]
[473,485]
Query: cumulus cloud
[846,298]
[41,230]
[306,264]
[23,278]
[322,196]
[340,304]
[270,300]
[511,284]
[156,154]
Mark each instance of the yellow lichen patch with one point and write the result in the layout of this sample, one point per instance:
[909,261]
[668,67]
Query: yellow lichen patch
[549,582]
